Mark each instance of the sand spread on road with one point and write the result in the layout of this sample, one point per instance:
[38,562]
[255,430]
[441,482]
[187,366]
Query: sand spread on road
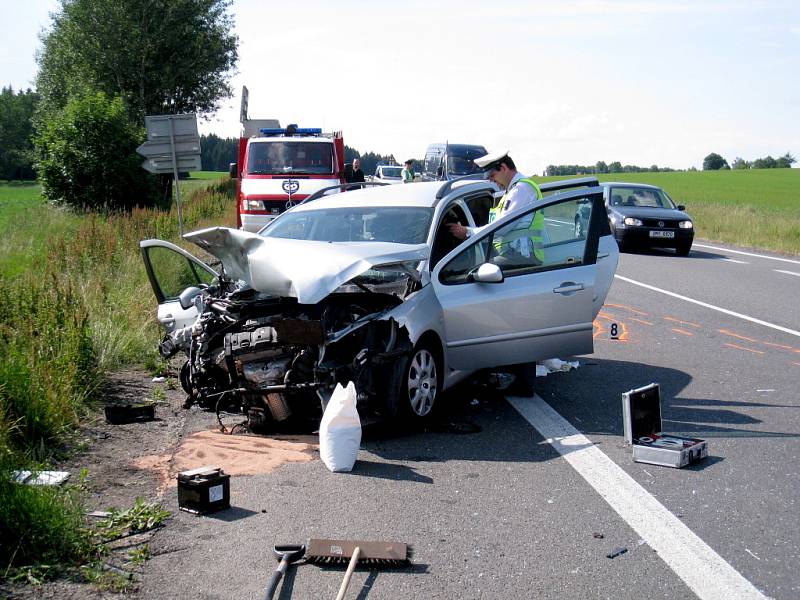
[234,454]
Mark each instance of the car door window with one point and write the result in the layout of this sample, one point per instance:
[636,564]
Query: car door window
[174,272]
[538,240]
[479,206]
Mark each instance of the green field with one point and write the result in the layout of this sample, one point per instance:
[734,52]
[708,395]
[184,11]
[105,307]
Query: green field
[758,208]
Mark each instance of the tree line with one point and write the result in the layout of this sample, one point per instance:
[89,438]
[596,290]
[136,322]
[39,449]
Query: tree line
[600,167]
[715,162]
[16,133]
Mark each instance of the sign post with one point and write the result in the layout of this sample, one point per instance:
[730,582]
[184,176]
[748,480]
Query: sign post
[172,146]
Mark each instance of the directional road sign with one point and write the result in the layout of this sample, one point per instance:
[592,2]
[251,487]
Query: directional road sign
[165,165]
[172,146]
[161,127]
[164,148]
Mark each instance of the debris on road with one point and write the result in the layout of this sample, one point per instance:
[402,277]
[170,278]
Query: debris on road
[40,477]
[554,365]
[118,414]
[204,490]
[616,552]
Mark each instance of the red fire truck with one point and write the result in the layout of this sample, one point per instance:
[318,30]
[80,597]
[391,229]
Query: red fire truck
[278,167]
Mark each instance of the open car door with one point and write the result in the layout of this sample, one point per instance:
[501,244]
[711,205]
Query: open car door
[172,271]
[522,289]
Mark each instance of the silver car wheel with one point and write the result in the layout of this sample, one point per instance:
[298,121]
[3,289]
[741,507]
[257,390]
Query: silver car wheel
[422,382]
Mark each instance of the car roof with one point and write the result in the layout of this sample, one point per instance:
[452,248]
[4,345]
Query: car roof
[421,195]
[628,184]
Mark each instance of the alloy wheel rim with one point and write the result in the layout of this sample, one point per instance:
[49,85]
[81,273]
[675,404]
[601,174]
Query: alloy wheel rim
[422,382]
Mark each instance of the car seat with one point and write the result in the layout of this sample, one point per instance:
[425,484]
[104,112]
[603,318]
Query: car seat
[630,201]
[616,200]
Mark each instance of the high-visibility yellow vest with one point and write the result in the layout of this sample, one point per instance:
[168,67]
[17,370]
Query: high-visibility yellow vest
[533,234]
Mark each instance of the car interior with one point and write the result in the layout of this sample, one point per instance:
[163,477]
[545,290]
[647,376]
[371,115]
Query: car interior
[444,241]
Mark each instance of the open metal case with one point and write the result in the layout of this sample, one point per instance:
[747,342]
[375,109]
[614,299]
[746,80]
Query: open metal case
[641,417]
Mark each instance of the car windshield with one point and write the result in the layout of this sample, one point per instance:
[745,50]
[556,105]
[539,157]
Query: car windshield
[643,197]
[279,157]
[401,225]
[390,172]
[461,159]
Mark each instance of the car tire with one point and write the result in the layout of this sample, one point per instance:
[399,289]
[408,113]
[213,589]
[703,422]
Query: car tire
[421,383]
[683,249]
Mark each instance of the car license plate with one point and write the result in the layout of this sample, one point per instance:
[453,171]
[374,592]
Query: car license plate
[662,234]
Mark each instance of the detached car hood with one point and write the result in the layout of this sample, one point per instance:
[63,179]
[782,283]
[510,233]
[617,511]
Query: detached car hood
[308,271]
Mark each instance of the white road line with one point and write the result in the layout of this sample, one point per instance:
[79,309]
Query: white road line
[711,306]
[789,260]
[733,260]
[705,572]
[787,272]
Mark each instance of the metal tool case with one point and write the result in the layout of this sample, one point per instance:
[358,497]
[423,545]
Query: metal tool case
[641,417]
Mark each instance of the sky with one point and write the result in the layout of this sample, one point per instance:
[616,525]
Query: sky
[557,82]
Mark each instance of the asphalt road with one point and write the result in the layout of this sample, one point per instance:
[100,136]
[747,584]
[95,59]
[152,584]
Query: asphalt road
[495,510]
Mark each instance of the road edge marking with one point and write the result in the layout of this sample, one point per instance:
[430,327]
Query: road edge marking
[704,571]
[789,260]
[711,306]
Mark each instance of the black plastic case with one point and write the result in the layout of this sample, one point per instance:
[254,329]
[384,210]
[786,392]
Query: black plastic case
[641,418]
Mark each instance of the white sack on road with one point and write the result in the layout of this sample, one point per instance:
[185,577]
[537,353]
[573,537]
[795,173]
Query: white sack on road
[340,430]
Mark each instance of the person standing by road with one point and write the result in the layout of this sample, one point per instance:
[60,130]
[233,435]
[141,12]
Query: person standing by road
[354,174]
[408,171]
[521,191]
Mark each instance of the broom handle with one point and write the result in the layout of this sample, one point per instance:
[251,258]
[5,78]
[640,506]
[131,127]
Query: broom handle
[350,568]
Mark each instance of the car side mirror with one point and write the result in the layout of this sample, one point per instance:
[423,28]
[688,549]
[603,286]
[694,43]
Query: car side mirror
[488,273]
[681,207]
[186,299]
[233,170]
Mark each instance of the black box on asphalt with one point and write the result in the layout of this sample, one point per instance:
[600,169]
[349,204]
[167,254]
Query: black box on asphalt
[117,414]
[641,419]
[204,490]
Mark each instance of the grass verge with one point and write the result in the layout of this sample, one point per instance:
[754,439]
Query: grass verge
[78,304]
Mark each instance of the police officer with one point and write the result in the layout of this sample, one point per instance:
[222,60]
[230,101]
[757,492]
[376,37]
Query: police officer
[521,191]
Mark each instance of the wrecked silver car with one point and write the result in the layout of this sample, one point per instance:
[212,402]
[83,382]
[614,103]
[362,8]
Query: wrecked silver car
[369,286]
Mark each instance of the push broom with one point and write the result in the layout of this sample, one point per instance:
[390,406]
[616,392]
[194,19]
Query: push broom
[375,554]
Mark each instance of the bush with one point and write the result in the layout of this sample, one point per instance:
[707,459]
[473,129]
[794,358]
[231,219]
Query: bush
[87,157]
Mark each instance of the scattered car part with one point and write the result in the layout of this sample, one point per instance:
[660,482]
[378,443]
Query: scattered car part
[204,490]
[117,414]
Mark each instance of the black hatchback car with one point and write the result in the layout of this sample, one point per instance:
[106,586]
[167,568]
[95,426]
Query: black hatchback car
[644,216]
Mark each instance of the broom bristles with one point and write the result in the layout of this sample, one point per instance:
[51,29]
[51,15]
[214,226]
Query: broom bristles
[331,552]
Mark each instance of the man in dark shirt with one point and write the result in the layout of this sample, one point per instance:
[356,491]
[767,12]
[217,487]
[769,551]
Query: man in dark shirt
[354,174]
